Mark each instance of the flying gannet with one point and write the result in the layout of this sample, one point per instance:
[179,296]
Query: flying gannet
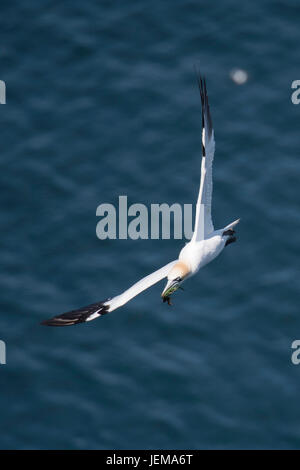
[205,244]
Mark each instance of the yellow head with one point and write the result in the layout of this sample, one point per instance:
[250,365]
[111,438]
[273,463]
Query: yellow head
[175,277]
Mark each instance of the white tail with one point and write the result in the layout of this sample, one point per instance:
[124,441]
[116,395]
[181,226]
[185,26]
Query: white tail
[233,224]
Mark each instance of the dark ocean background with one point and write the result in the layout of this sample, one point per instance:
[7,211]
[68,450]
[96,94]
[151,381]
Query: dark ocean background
[102,101]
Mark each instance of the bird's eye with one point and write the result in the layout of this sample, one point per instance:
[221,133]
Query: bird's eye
[178,279]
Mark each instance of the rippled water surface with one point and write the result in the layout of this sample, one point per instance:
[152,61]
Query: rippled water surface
[101,102]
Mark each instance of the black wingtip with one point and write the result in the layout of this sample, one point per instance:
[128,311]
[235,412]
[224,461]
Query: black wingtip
[78,316]
[201,83]
[206,117]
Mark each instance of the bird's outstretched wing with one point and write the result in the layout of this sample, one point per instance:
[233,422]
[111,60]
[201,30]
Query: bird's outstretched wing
[93,311]
[203,223]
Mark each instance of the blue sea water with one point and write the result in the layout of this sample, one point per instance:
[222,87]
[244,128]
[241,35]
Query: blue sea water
[102,101]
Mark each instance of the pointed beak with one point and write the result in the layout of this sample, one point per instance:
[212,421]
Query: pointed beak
[171,287]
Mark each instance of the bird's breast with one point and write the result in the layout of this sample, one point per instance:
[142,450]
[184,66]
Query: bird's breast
[198,254]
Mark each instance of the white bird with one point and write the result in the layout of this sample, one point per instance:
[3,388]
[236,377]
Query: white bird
[205,245]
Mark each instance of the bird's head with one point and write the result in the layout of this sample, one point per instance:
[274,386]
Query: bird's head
[170,288]
[175,278]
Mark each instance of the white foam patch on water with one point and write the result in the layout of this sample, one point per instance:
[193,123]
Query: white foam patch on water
[239,76]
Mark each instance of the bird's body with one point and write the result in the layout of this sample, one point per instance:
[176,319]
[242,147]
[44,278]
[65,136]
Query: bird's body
[196,255]
[206,243]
